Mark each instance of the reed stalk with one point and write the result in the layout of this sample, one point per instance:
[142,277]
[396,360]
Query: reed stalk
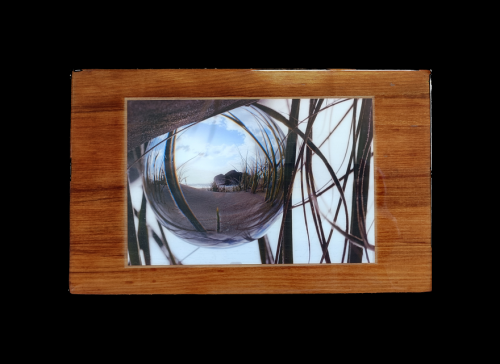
[174,186]
[361,182]
[286,252]
[133,246]
[142,232]
[266,254]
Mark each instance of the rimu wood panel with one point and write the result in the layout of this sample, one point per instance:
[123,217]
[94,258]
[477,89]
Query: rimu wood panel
[98,187]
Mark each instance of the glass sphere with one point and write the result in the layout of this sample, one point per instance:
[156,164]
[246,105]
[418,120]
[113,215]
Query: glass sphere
[217,183]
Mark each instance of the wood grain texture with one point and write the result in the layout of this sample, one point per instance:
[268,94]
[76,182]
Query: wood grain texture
[98,200]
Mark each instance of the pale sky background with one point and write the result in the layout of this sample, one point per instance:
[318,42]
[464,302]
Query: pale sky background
[216,142]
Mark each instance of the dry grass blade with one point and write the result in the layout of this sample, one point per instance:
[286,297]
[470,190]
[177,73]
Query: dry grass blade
[301,153]
[287,202]
[353,239]
[286,251]
[361,184]
[324,189]
[173,259]
[315,210]
[255,180]
[162,247]
[168,137]
[310,182]
[133,247]
[314,148]
[351,159]
[273,191]
[326,107]
[142,232]
[280,139]
[336,126]
[266,254]
[239,123]
[174,186]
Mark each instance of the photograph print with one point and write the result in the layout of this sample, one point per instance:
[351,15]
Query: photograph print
[250,181]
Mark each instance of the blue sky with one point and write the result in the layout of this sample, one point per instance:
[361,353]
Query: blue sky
[215,146]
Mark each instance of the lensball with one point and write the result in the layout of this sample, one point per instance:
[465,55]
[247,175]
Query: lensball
[217,183]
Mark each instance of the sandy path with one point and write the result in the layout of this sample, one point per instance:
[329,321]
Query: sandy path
[244,216]
[236,209]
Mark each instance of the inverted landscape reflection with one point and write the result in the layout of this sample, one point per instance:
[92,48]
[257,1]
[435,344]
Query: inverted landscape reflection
[217,183]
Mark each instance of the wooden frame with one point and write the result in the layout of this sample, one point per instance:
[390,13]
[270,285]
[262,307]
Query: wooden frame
[98,204]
